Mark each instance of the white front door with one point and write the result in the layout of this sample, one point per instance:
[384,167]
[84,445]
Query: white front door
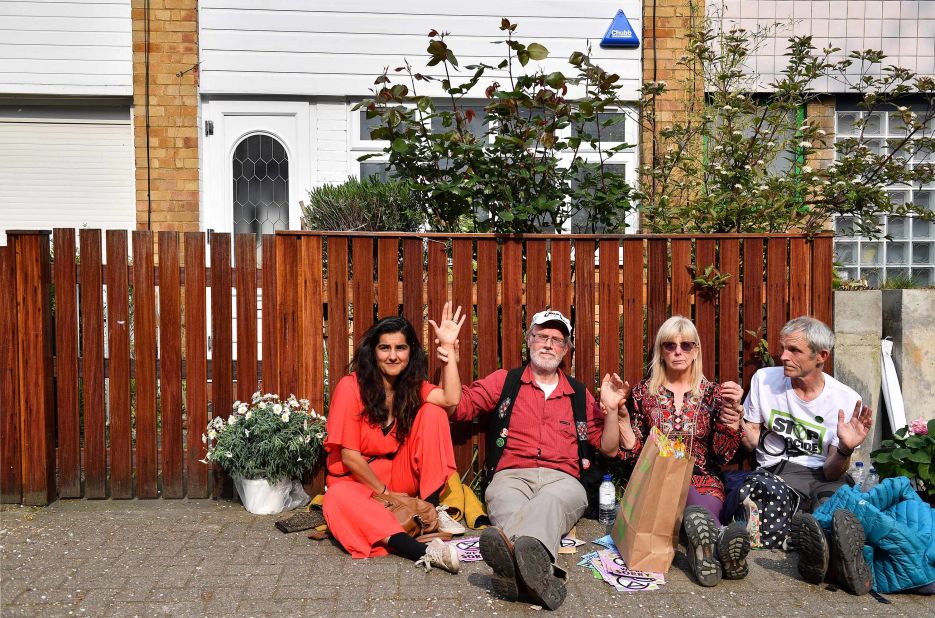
[257,165]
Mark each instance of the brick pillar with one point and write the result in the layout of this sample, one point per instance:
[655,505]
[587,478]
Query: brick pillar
[166,188]
[665,38]
[820,113]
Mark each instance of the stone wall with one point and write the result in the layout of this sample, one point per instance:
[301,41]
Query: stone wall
[858,328]
[909,318]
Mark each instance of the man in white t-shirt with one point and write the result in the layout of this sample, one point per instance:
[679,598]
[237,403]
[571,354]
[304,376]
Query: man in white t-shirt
[802,422]
[805,425]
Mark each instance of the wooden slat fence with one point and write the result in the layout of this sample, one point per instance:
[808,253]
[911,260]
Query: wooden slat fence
[106,390]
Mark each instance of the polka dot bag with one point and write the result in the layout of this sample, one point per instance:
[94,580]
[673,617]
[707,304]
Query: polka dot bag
[770,504]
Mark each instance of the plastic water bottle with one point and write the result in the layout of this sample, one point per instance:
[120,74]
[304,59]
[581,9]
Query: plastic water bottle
[607,501]
[857,473]
[872,480]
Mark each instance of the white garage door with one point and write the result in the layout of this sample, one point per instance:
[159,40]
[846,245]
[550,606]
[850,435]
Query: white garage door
[66,167]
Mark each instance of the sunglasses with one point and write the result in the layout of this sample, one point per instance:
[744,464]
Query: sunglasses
[687,346]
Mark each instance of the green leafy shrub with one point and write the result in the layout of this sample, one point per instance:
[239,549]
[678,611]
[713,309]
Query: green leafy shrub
[266,438]
[514,163]
[910,453]
[742,158]
[365,205]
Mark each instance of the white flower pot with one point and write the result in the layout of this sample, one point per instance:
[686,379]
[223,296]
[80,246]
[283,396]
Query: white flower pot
[261,498]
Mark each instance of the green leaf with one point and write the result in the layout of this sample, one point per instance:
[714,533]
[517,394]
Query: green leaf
[925,473]
[537,51]
[555,80]
[523,57]
[920,457]
[401,146]
[901,453]
[931,428]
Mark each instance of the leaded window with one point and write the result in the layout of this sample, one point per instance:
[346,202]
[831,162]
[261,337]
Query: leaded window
[261,185]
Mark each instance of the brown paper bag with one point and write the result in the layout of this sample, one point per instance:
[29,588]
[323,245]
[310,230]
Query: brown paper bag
[646,531]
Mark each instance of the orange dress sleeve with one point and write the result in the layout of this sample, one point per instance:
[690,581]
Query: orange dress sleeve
[344,416]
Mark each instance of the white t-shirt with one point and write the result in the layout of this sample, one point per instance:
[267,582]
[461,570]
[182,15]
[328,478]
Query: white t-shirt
[800,431]
[547,388]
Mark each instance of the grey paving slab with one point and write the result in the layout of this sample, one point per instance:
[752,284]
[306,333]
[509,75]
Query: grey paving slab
[209,558]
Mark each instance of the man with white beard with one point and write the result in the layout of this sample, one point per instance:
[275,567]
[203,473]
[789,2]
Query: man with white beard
[541,438]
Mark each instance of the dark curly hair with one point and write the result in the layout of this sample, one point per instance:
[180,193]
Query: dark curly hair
[407,397]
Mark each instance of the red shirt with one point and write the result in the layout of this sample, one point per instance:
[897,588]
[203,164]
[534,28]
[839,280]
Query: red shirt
[541,431]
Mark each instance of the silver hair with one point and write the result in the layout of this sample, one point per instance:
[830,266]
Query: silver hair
[817,334]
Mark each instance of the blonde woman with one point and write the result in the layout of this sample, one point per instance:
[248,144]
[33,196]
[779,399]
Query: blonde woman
[681,402]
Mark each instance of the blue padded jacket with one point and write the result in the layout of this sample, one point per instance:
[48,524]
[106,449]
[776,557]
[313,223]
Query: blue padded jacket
[900,529]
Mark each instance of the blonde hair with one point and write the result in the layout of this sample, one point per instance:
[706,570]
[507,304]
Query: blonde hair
[674,327]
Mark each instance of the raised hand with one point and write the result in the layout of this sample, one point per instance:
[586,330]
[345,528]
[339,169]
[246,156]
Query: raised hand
[614,392]
[446,333]
[852,433]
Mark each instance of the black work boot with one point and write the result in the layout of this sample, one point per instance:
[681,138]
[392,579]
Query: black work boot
[847,553]
[812,547]
[536,573]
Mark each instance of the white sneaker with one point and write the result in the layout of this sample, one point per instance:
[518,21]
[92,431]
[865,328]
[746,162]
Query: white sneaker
[441,555]
[446,523]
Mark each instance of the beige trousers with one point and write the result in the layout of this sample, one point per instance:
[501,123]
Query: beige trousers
[538,502]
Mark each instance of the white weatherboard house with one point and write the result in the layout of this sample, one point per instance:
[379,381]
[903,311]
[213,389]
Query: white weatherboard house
[66,137]
[293,70]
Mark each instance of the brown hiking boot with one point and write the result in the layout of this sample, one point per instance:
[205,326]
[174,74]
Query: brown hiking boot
[497,551]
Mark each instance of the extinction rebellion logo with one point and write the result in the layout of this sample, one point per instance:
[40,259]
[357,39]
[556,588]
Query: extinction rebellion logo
[800,437]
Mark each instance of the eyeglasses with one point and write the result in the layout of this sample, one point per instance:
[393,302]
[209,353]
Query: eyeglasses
[543,339]
[687,346]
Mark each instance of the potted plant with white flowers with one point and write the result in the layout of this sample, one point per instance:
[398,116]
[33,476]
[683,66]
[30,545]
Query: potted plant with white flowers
[265,446]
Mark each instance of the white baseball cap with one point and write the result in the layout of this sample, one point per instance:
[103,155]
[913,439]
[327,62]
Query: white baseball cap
[551,316]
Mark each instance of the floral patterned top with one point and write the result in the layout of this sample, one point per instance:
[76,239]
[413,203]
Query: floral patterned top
[712,443]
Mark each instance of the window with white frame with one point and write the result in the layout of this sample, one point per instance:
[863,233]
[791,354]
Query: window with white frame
[909,251]
[623,162]
[362,144]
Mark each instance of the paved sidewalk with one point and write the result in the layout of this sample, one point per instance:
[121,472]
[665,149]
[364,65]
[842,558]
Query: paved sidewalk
[200,557]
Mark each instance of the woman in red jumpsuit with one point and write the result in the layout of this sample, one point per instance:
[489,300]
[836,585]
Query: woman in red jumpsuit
[388,433]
